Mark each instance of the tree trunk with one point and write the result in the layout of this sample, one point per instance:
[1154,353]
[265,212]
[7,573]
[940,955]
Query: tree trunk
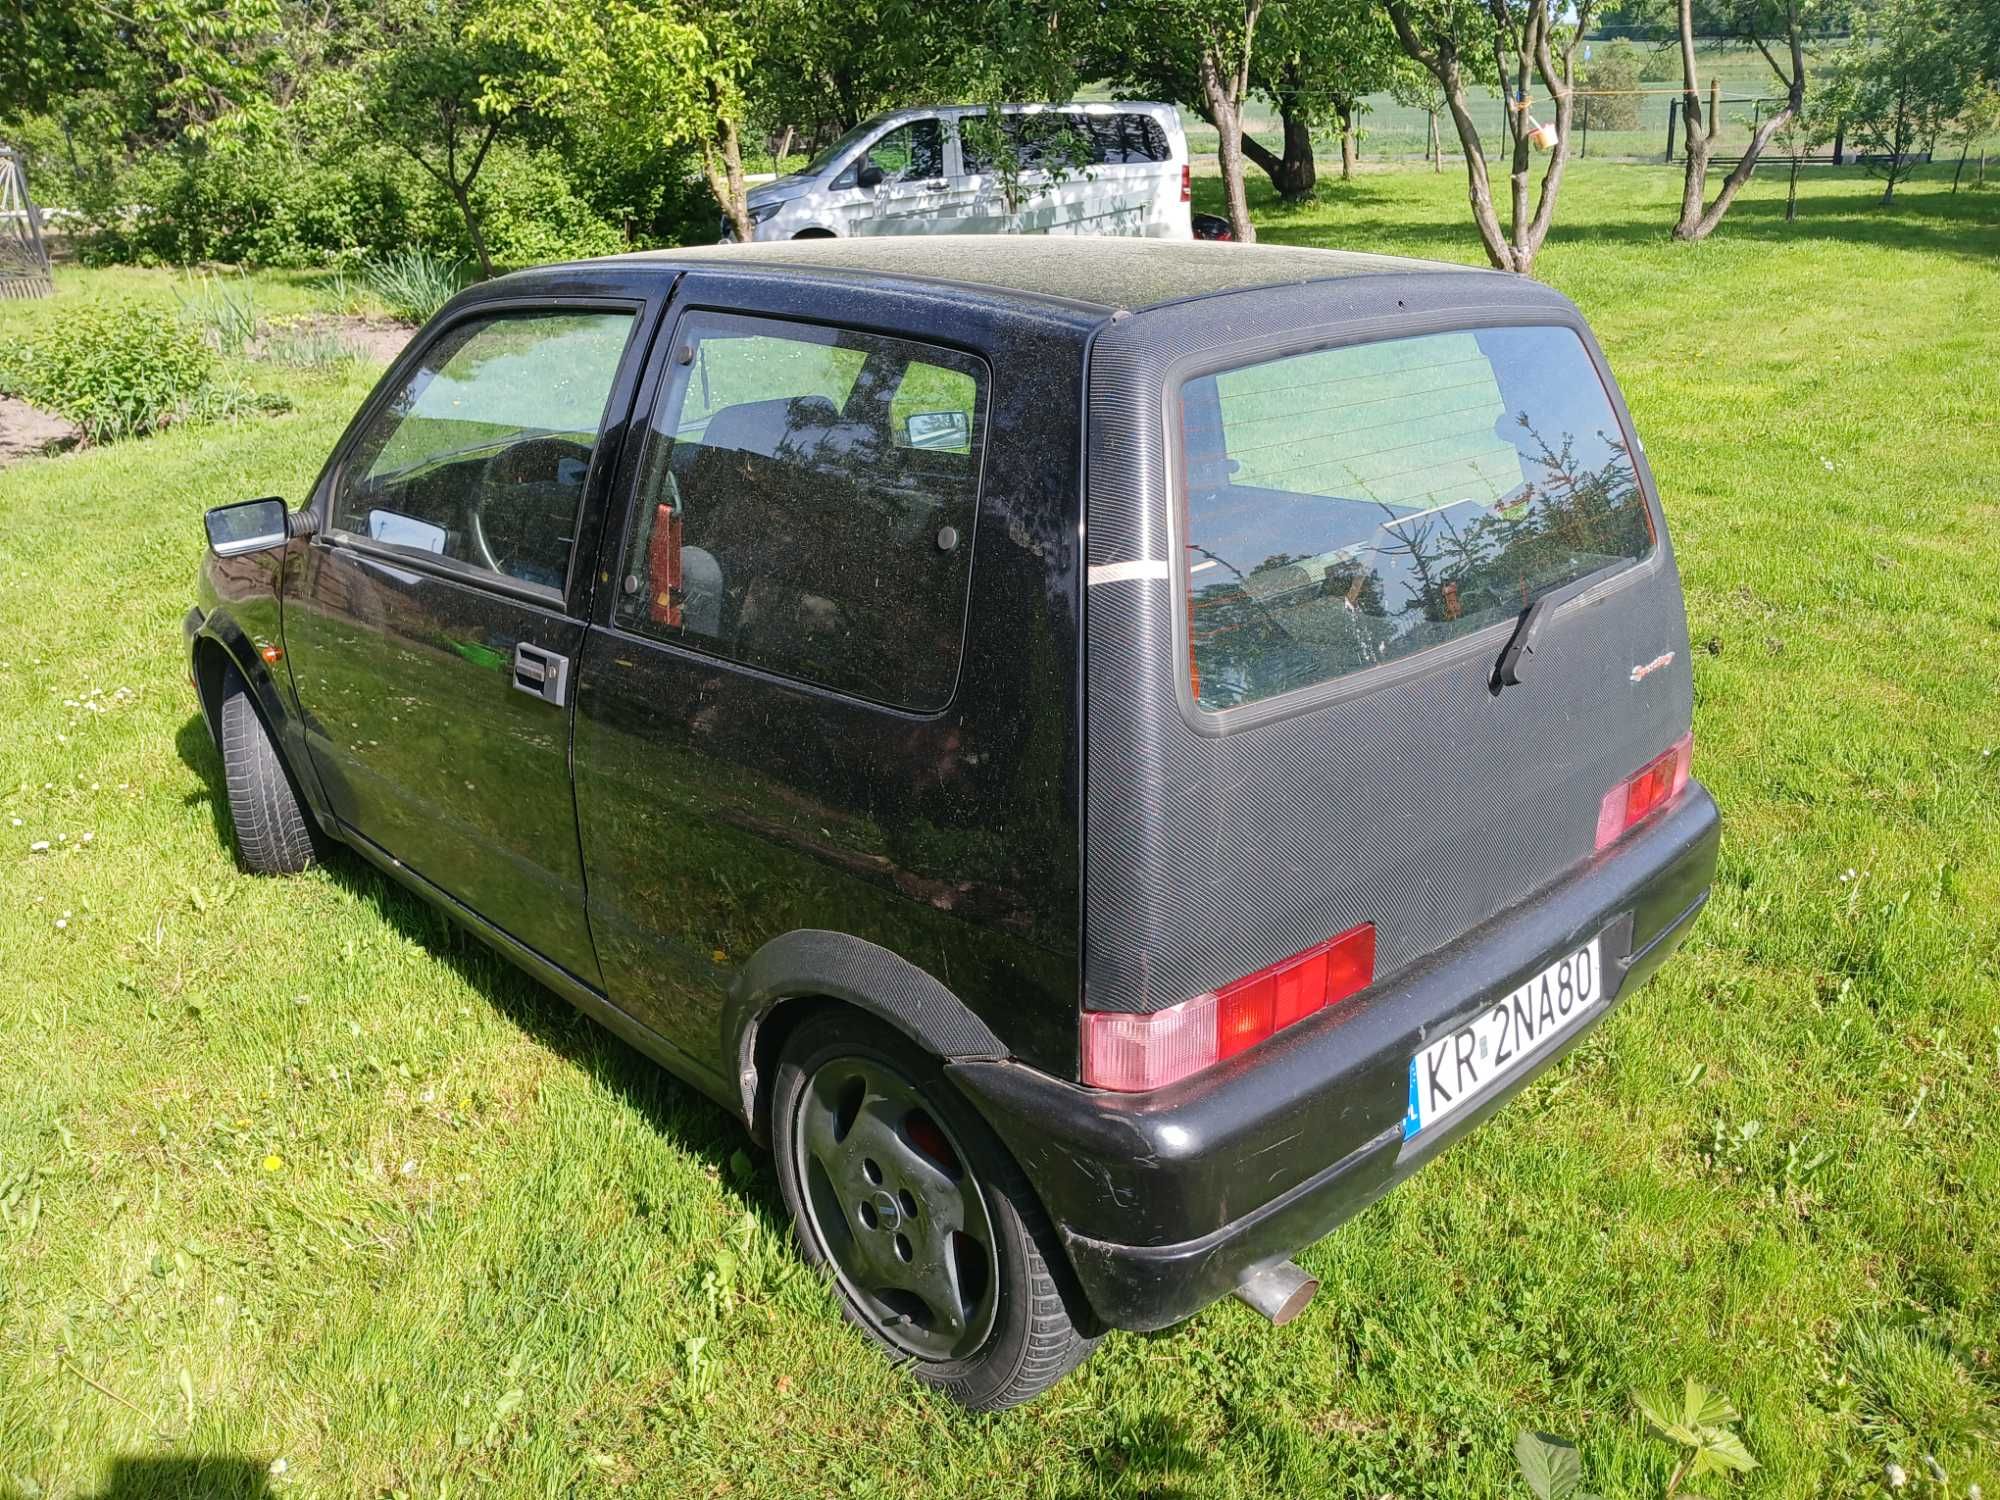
[784,148]
[722,169]
[1436,147]
[1294,174]
[1696,222]
[1224,83]
[1959,171]
[462,195]
[1228,118]
[1344,108]
[1792,194]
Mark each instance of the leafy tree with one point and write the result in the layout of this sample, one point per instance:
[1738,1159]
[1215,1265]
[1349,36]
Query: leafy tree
[1316,61]
[442,84]
[1765,23]
[1808,129]
[1612,79]
[1525,41]
[1979,119]
[1195,52]
[1900,83]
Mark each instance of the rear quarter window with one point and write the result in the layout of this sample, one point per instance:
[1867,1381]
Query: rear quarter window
[1348,507]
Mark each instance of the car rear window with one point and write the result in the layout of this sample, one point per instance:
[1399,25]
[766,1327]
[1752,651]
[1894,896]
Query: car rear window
[1351,506]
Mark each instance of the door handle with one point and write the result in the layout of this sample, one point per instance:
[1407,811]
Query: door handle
[540,674]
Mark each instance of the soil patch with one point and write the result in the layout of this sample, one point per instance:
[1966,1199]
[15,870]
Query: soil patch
[28,431]
[374,341]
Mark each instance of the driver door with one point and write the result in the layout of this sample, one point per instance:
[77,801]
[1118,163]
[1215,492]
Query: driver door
[433,636]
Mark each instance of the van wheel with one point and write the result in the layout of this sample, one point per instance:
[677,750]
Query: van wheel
[272,835]
[937,1247]
[814,234]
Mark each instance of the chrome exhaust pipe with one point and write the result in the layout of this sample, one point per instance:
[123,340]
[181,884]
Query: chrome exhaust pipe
[1279,1292]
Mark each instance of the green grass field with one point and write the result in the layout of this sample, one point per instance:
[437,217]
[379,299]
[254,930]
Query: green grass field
[301,1192]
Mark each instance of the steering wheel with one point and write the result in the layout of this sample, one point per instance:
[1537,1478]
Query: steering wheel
[499,475]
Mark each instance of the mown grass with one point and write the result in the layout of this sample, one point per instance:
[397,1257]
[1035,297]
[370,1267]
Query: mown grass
[304,1193]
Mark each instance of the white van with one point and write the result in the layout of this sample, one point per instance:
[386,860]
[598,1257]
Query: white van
[916,171]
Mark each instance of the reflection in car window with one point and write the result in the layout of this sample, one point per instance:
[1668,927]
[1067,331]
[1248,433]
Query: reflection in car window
[911,152]
[483,453]
[1351,506]
[805,505]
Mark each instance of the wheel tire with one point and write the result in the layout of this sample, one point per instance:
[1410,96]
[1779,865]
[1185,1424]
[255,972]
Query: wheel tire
[1034,1327]
[272,834]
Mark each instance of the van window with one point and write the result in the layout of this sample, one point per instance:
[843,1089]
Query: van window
[1351,506]
[1120,140]
[909,153]
[1041,139]
[806,503]
[483,454]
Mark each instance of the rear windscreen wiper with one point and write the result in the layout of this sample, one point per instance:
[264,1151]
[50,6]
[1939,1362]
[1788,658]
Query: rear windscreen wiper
[1510,669]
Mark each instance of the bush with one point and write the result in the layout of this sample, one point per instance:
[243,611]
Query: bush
[116,369]
[1615,68]
[413,284]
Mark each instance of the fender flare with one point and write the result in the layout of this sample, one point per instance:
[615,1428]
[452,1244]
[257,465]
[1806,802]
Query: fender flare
[220,634]
[811,963]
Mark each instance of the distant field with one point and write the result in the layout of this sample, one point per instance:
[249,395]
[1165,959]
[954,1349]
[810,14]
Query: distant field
[302,1193]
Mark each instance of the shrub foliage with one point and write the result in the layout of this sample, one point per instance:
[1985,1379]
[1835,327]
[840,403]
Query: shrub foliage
[116,369]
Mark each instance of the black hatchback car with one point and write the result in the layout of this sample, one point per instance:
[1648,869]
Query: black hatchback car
[1106,755]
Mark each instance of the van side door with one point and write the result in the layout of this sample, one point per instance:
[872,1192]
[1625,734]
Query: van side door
[915,195]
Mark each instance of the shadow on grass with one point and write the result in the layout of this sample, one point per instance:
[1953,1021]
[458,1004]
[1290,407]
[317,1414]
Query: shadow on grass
[180,1477]
[677,1111]
[1926,217]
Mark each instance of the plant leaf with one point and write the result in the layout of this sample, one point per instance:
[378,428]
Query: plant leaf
[1706,1408]
[1729,1452]
[1550,1465]
[1656,1406]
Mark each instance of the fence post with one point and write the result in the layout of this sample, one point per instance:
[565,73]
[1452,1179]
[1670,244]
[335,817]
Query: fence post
[1673,114]
[1586,127]
[1839,138]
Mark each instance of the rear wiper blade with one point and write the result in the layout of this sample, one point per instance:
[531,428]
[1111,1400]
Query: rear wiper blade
[1510,668]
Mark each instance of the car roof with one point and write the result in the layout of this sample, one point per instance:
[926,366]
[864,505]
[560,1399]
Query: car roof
[1108,275]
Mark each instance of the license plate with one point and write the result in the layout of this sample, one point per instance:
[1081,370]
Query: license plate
[1456,1069]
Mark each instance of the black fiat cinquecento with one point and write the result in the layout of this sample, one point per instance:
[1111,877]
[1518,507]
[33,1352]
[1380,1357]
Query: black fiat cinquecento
[1107,755]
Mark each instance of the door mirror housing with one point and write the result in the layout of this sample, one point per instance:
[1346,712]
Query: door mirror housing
[868,176]
[247,526]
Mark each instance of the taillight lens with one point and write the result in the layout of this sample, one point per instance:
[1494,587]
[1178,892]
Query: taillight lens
[1131,1051]
[1645,792]
[1187,183]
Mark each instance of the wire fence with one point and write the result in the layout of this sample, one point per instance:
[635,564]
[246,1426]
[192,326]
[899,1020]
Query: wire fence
[1626,125]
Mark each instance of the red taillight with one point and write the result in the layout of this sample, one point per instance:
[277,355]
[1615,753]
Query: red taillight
[1187,183]
[1138,1051]
[1645,792]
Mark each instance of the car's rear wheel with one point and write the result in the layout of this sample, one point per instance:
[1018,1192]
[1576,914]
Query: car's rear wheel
[936,1244]
[272,834]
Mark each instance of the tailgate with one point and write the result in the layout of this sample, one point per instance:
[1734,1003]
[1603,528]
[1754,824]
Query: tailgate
[1295,614]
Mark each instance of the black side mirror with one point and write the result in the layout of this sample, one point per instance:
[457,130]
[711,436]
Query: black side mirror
[247,526]
[868,175]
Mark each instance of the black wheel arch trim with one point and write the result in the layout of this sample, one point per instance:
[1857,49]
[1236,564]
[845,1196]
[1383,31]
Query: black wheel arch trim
[219,631]
[809,963]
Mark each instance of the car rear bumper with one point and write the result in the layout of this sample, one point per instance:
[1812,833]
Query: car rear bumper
[1166,1201]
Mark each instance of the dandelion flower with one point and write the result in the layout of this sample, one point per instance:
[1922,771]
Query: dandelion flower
[274,1163]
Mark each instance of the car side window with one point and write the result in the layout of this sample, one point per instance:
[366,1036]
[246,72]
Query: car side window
[909,153]
[806,503]
[482,455]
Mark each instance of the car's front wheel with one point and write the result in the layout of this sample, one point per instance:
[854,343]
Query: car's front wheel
[937,1246]
[272,834]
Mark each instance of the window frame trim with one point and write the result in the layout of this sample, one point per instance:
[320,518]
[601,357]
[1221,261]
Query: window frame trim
[657,383]
[603,467]
[1579,593]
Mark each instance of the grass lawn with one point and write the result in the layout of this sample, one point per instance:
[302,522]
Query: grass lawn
[302,1192]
